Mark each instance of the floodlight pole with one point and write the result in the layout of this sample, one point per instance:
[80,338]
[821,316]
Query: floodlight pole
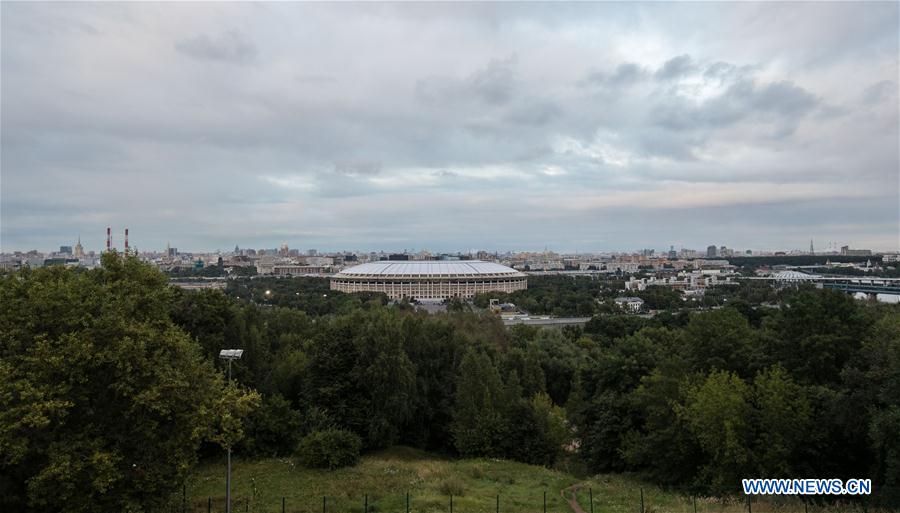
[229,354]
[228,474]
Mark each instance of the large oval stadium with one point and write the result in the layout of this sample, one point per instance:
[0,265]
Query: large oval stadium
[429,280]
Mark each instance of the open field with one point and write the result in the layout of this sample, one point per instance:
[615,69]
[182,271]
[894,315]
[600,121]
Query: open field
[258,486]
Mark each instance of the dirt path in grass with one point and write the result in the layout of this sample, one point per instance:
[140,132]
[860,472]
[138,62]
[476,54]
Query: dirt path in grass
[573,500]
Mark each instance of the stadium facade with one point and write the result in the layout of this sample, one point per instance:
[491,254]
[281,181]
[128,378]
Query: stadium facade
[429,280]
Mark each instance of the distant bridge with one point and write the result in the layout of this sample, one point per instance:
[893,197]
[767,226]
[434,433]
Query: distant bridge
[545,321]
[852,284]
[865,288]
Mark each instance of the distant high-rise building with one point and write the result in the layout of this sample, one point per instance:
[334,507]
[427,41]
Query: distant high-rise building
[711,252]
[811,250]
[846,251]
[79,249]
[672,253]
[284,251]
[65,250]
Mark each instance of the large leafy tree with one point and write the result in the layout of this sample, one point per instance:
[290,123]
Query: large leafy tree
[815,334]
[103,400]
[718,412]
[359,375]
[660,430]
[718,340]
[783,420]
[435,350]
[478,418]
[883,376]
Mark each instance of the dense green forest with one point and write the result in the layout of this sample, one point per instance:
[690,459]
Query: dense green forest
[110,388]
[579,296]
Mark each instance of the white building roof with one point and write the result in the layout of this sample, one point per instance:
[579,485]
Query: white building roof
[429,268]
[794,276]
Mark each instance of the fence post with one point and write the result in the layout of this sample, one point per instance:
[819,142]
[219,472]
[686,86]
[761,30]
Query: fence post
[451,503]
[545,502]
[184,498]
[324,510]
[749,504]
[209,505]
[694,500]
[591,494]
[642,499]
[407,501]
[282,505]
[498,503]
[365,505]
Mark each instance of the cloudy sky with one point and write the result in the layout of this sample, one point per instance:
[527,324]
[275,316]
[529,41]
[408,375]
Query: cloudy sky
[450,126]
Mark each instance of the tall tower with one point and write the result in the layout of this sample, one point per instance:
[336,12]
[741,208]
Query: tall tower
[108,239]
[126,241]
[79,249]
[811,251]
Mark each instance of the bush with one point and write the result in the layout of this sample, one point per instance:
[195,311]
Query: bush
[452,486]
[273,429]
[329,448]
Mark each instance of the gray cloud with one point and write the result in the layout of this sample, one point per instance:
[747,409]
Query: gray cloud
[675,68]
[880,92]
[625,74]
[783,97]
[229,46]
[357,167]
[782,103]
[493,84]
[496,83]
[537,112]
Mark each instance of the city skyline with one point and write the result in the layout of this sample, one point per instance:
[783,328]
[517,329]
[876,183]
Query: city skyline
[117,243]
[578,127]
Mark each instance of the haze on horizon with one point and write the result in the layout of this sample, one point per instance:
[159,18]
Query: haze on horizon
[504,126]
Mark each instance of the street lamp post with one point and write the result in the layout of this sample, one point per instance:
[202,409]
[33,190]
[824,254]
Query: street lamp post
[229,355]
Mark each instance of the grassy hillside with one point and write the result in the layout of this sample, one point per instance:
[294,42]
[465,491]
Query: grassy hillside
[474,483]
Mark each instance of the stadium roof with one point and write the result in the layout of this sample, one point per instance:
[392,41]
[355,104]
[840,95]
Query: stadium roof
[794,276]
[429,268]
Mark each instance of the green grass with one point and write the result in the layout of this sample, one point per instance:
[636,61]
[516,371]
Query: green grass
[388,475]
[619,493]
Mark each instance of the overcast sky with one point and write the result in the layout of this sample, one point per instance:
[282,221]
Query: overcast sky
[508,126]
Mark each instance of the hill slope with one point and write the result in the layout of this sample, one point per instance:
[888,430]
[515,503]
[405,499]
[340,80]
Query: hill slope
[386,476]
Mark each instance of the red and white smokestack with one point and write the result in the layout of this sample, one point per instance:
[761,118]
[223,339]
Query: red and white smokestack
[108,239]
[126,241]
